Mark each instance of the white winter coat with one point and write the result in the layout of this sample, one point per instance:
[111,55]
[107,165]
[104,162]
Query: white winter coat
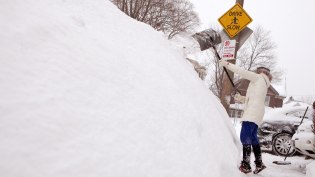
[254,101]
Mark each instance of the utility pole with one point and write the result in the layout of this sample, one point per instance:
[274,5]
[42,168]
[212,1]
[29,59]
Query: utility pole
[227,88]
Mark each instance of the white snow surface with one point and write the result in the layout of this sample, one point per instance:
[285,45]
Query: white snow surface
[299,167]
[280,114]
[310,169]
[87,91]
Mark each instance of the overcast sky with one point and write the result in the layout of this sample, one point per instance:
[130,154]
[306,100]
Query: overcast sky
[292,27]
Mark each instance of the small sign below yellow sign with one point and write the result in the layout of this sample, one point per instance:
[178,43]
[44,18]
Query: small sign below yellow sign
[235,20]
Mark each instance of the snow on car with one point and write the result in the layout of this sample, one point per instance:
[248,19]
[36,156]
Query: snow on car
[303,139]
[279,125]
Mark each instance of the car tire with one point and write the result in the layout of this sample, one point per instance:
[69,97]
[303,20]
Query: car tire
[281,144]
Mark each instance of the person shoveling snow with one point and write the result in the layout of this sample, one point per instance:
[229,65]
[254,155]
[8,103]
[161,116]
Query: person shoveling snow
[253,112]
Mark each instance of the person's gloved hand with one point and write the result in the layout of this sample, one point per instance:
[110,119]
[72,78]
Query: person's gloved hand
[237,96]
[223,63]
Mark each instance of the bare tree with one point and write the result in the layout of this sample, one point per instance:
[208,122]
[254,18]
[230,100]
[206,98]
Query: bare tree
[258,50]
[215,81]
[181,18]
[169,16]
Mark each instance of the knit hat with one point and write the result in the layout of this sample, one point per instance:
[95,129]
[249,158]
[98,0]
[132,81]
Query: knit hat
[261,67]
[264,70]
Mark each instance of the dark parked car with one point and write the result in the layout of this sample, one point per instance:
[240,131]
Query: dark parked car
[279,125]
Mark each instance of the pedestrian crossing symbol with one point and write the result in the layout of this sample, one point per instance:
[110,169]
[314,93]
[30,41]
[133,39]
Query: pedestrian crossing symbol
[235,20]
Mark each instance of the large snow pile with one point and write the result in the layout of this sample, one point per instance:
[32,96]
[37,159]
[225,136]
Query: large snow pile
[310,170]
[87,91]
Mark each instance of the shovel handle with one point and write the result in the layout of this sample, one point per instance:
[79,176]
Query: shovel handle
[287,153]
[303,116]
[219,58]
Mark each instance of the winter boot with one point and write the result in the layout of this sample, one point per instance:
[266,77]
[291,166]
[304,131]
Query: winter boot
[245,164]
[257,152]
[259,167]
[245,167]
[258,160]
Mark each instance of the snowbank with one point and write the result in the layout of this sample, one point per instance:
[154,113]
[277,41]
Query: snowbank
[87,91]
[310,170]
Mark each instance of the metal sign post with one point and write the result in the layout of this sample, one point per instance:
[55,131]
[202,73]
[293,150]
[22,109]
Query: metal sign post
[233,22]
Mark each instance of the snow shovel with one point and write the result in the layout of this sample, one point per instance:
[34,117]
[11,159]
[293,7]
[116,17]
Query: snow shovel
[288,162]
[283,162]
[208,39]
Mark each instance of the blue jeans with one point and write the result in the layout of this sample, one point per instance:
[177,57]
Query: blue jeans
[249,133]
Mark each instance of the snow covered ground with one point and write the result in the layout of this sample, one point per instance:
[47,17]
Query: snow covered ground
[87,91]
[299,167]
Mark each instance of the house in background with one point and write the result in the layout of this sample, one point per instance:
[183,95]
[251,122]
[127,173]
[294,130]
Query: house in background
[273,98]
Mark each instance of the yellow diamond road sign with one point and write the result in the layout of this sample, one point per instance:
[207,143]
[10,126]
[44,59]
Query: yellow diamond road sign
[235,20]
